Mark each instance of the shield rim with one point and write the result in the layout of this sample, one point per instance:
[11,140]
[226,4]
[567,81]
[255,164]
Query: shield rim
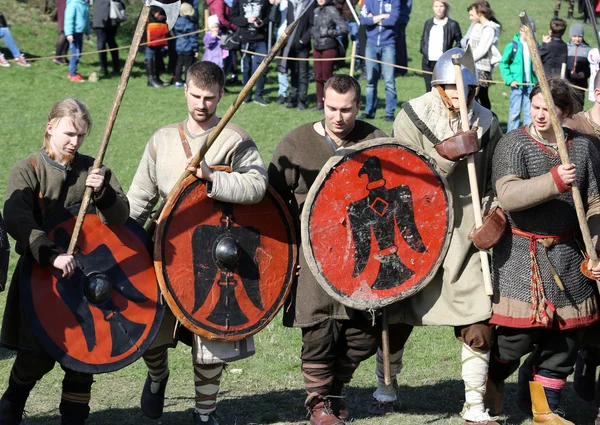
[26,300]
[161,228]
[340,156]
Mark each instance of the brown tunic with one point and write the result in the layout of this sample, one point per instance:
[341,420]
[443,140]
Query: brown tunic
[61,188]
[294,167]
[580,123]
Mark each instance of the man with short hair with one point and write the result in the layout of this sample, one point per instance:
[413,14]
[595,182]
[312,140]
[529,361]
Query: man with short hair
[166,156]
[335,338]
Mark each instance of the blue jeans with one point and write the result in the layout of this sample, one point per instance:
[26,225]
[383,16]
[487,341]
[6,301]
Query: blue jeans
[282,79]
[374,70]
[251,62]
[10,42]
[519,98]
[76,47]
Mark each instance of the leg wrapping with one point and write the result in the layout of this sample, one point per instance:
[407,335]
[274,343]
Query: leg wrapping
[318,380]
[475,364]
[207,380]
[388,393]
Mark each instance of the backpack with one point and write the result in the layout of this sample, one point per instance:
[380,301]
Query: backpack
[515,47]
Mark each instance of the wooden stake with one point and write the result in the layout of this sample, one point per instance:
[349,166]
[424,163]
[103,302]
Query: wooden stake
[563,70]
[112,117]
[385,349]
[475,198]
[560,137]
[352,58]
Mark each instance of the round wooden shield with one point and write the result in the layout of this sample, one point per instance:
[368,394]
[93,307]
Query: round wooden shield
[69,317]
[224,269]
[376,224]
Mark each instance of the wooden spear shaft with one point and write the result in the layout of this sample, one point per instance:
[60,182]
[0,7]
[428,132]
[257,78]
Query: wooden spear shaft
[475,198]
[559,133]
[214,134]
[112,117]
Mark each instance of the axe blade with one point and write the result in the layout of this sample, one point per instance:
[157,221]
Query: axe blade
[466,60]
[171,8]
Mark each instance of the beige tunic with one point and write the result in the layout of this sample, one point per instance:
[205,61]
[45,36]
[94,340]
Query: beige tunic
[456,295]
[162,164]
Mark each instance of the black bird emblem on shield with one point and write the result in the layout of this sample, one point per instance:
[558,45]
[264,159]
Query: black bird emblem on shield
[379,213]
[226,252]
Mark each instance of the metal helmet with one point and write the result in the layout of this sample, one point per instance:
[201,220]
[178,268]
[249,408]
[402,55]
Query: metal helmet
[443,72]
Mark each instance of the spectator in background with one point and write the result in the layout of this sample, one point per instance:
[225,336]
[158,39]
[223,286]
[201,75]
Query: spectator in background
[298,46]
[222,9]
[106,31]
[380,18]
[77,23]
[62,45]
[440,33]
[553,50]
[14,50]
[517,71]
[578,66]
[570,9]
[279,17]
[328,25]
[401,53]
[157,31]
[250,17]
[483,39]
[187,45]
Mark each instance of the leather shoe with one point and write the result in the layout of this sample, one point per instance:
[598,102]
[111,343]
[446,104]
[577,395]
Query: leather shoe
[338,405]
[381,408]
[322,414]
[152,404]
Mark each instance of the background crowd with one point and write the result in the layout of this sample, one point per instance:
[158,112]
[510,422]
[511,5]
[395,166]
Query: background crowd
[236,37]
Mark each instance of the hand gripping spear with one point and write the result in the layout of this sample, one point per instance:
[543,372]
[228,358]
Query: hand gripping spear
[466,60]
[171,9]
[196,159]
[560,137]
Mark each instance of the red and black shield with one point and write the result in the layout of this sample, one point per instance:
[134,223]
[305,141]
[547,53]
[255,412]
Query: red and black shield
[108,312]
[224,269]
[376,224]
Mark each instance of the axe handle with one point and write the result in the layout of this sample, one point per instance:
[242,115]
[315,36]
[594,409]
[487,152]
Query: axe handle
[214,134]
[352,58]
[110,123]
[560,137]
[385,348]
[475,198]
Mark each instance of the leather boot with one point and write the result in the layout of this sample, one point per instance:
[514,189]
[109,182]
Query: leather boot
[12,403]
[322,414]
[151,72]
[494,397]
[153,403]
[540,409]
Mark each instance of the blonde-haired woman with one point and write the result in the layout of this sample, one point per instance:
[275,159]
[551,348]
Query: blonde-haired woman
[41,186]
[440,33]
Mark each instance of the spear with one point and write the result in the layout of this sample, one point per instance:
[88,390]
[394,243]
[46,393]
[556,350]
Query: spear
[560,137]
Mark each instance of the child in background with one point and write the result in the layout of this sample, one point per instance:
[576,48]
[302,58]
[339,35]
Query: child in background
[186,46]
[77,23]
[517,70]
[157,32]
[212,42]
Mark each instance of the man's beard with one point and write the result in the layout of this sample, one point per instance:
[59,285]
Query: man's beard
[68,157]
[202,118]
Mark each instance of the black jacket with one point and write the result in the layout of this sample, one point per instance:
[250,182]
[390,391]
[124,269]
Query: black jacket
[326,21]
[553,55]
[241,10]
[300,38]
[101,18]
[452,36]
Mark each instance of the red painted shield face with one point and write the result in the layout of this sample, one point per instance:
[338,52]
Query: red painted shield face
[108,312]
[376,224]
[224,269]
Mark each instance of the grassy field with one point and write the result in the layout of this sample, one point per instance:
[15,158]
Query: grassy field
[267,388]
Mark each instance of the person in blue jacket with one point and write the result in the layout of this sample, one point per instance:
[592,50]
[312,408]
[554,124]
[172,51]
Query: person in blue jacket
[77,23]
[186,45]
[380,17]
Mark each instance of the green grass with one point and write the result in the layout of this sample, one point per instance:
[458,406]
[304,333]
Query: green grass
[267,388]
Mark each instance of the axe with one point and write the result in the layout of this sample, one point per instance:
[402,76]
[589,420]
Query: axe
[214,134]
[171,8]
[558,132]
[466,60]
